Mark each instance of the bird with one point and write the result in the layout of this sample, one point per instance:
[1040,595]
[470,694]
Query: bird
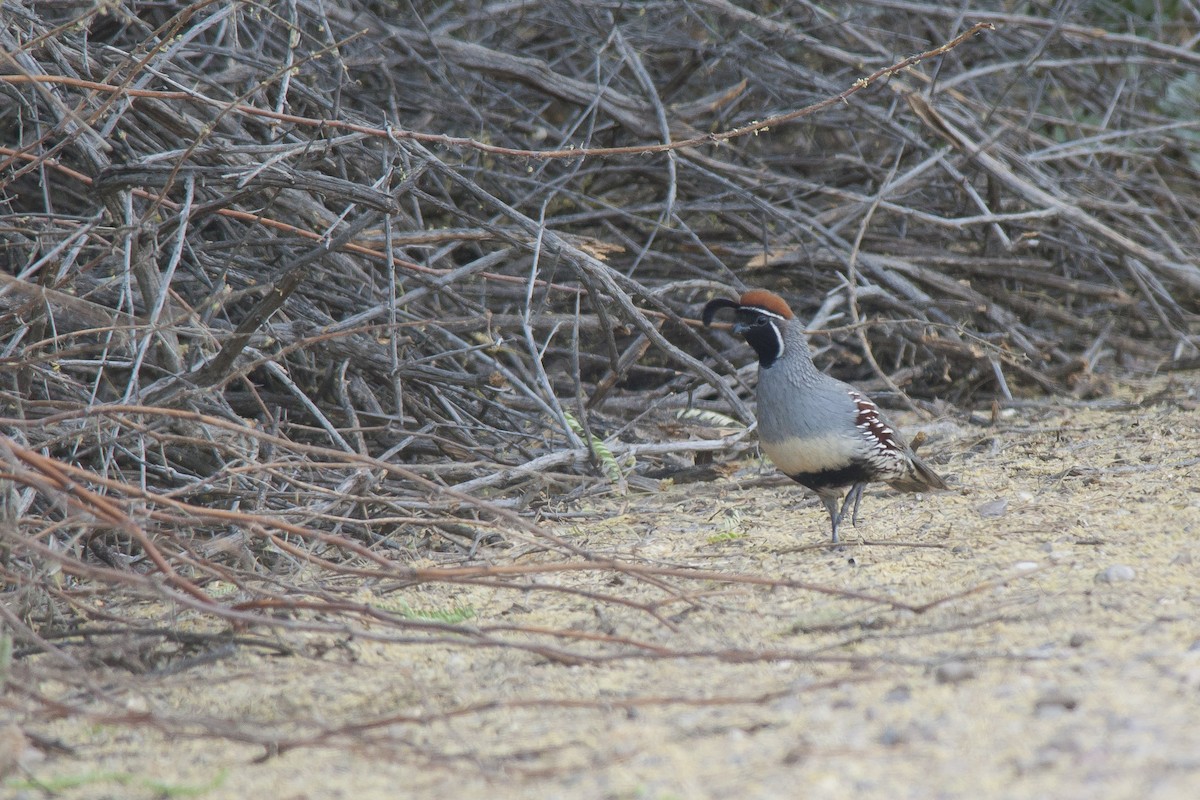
[819,431]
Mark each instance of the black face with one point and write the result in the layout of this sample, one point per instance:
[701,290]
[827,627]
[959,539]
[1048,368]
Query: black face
[761,329]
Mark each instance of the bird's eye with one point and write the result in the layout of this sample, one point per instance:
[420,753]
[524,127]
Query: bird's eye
[760,320]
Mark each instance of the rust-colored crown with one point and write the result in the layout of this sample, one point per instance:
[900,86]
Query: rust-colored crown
[767,301]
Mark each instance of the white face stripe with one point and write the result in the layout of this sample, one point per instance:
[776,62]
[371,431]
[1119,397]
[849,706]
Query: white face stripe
[767,313]
[778,336]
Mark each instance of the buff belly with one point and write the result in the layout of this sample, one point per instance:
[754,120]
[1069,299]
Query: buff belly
[830,462]
[812,454]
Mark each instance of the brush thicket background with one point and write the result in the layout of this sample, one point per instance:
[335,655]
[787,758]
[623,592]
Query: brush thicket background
[287,298]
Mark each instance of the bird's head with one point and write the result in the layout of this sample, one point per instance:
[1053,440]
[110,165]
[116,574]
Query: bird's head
[759,317]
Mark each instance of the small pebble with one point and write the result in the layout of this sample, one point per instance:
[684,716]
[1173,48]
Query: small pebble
[137,704]
[1056,700]
[995,508]
[1064,742]
[1116,574]
[798,754]
[953,672]
[1079,639]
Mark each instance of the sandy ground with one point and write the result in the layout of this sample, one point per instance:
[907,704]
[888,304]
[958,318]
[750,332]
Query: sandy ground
[1069,665]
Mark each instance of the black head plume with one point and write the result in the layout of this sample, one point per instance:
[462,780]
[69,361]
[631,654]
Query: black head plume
[713,306]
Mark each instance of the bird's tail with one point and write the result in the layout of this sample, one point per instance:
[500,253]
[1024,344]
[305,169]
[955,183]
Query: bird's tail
[920,477]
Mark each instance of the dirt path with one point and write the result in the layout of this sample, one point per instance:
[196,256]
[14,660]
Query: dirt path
[1070,666]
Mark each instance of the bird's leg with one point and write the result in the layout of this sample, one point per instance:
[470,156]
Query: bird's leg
[854,494]
[830,499]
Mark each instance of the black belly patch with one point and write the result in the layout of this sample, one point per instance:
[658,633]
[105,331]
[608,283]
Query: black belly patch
[858,472]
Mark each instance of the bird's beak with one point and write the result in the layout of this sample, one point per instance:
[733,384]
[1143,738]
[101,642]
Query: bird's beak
[740,328]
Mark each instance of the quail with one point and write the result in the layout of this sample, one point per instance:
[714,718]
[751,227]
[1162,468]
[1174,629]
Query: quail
[822,433]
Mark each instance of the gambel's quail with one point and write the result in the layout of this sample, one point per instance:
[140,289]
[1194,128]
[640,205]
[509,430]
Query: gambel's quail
[821,432]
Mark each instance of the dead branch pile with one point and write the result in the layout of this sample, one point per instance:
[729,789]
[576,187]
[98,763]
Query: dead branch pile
[299,284]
